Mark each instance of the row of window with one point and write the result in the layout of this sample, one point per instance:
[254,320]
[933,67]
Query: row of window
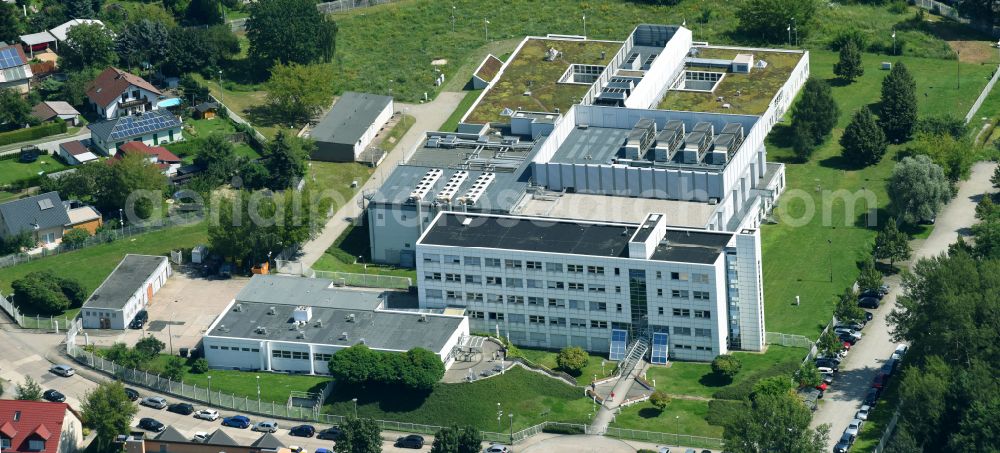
[297,355]
[687,331]
[517,318]
[548,266]
[554,285]
[689,347]
[234,348]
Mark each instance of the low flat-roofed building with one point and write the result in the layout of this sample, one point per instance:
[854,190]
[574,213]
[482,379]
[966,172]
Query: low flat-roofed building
[295,324]
[350,126]
[127,290]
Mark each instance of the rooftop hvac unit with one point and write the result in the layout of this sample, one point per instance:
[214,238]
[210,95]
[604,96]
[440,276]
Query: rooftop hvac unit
[300,335]
[478,188]
[271,310]
[735,129]
[667,143]
[425,184]
[695,146]
[361,341]
[639,138]
[343,336]
[705,127]
[319,323]
[261,330]
[423,318]
[451,187]
[349,318]
[722,146]
[302,314]
[238,307]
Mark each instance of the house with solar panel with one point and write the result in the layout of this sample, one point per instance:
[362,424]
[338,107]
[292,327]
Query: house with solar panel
[151,128]
[15,72]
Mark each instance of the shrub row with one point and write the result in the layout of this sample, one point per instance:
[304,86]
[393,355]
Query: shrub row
[32,133]
[742,390]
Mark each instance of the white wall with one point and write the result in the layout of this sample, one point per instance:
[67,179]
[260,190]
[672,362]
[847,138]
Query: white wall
[372,131]
[662,71]
[112,111]
[163,137]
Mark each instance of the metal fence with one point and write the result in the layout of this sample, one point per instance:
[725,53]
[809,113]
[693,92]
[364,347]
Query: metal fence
[49,323]
[665,438]
[339,6]
[787,339]
[888,432]
[364,280]
[982,96]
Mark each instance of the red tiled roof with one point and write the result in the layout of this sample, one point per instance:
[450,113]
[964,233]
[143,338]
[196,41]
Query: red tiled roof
[21,421]
[162,154]
[112,83]
[74,148]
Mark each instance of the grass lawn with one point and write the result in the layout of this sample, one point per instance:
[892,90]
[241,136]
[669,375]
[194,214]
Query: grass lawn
[789,272]
[547,359]
[398,131]
[240,99]
[452,122]
[91,265]
[197,130]
[12,171]
[273,386]
[343,255]
[697,379]
[680,417]
[531,397]
[334,179]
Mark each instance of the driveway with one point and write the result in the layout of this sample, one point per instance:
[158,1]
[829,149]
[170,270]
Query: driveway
[861,366]
[429,117]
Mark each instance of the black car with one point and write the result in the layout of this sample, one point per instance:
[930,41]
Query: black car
[871,398]
[411,441]
[847,337]
[868,302]
[54,396]
[331,433]
[139,320]
[869,316]
[181,408]
[132,394]
[151,424]
[844,445]
[302,431]
[871,293]
[828,364]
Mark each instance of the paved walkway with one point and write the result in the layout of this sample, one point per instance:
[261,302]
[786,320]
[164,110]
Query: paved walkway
[844,397]
[429,117]
[611,404]
[50,143]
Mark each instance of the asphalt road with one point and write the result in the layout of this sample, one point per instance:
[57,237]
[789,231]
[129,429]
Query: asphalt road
[862,364]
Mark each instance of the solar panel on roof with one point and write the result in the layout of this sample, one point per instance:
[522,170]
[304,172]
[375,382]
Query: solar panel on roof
[9,58]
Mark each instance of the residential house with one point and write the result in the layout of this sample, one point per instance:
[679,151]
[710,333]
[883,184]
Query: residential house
[206,110]
[116,93]
[151,128]
[166,160]
[15,72]
[75,153]
[50,110]
[43,216]
[62,31]
[82,216]
[39,427]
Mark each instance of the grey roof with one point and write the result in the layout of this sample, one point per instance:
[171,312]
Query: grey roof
[383,330]
[500,196]
[684,246]
[45,211]
[124,281]
[530,234]
[268,441]
[219,437]
[41,37]
[171,434]
[206,106]
[130,126]
[314,292]
[350,117]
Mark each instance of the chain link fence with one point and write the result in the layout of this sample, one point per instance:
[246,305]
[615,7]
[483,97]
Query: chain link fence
[787,339]
[48,323]
[364,280]
[665,438]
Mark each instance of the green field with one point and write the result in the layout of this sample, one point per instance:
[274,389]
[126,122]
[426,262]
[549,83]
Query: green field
[334,179]
[273,386]
[452,122]
[12,171]
[344,254]
[679,417]
[398,131]
[531,397]
[787,271]
[547,359]
[196,130]
[696,378]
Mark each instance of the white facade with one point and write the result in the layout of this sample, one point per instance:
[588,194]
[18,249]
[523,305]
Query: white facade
[132,100]
[153,139]
[118,317]
[372,131]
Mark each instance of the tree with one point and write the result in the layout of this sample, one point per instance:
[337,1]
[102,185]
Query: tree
[942,125]
[950,153]
[572,360]
[88,46]
[470,440]
[42,292]
[829,344]
[15,112]
[360,435]
[917,189]
[73,290]
[200,366]
[807,375]
[863,141]
[898,111]
[122,355]
[445,440]
[297,92]
[198,49]
[218,157]
[847,309]
[774,424]
[74,90]
[986,209]
[9,29]
[204,12]
[995,178]
[108,411]
[870,278]
[149,347]
[659,399]
[289,31]
[29,391]
[143,41]
[354,365]
[849,66]
[80,9]
[174,368]
[134,184]
[422,370]
[769,20]
[813,116]
[726,365]
[774,385]
[892,244]
[286,160]
[75,237]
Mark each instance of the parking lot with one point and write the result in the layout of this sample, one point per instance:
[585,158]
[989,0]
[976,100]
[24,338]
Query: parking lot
[182,310]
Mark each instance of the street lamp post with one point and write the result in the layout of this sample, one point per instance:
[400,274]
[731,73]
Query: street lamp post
[209,389]
[355,401]
[170,333]
[511,416]
[452,18]
[499,417]
[121,222]
[584,25]
[486,26]
[894,42]
[222,96]
[258,393]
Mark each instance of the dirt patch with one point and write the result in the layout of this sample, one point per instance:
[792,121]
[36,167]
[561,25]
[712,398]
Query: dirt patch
[974,51]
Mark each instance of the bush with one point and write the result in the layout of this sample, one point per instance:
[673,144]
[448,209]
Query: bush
[75,237]
[572,359]
[659,400]
[721,412]
[200,366]
[563,429]
[32,133]
[742,390]
[46,293]
[727,365]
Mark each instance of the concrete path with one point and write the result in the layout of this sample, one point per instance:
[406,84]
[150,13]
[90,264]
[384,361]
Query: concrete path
[611,404]
[844,397]
[429,117]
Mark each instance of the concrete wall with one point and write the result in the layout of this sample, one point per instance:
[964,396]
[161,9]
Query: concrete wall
[663,70]
[71,437]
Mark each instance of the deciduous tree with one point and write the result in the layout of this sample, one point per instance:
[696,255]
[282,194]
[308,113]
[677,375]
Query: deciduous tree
[360,435]
[46,293]
[88,46]
[297,92]
[847,309]
[892,244]
[918,188]
[776,424]
[829,345]
[863,141]
[898,111]
[108,411]
[659,399]
[572,359]
[143,41]
[149,347]
[769,20]
[29,391]
[204,12]
[75,237]
[9,27]
[870,278]
[217,156]
[849,65]
[134,184]
[15,112]
[286,160]
[726,365]
[807,375]
[289,31]
[174,368]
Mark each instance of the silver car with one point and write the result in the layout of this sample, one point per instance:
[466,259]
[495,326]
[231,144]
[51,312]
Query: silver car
[266,427]
[62,370]
[863,412]
[154,402]
[854,427]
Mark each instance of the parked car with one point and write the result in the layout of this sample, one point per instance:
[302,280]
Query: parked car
[200,436]
[844,444]
[151,424]
[850,338]
[267,426]
[822,387]
[871,293]
[825,369]
[498,448]
[879,381]
[869,316]
[410,441]
[844,329]
[863,412]
[836,360]
[302,431]
[331,433]
[154,402]
[900,351]
[139,320]
[827,378]
[131,394]
[868,302]
[855,326]
[871,398]
[54,396]
[854,427]
[236,421]
[62,370]
[889,367]
[297,449]
[181,408]
[207,414]
[828,363]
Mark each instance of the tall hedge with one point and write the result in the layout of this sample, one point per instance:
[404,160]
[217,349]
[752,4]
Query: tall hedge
[32,133]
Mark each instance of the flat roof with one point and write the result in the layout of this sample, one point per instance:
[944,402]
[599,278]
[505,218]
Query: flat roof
[610,208]
[685,246]
[127,278]
[593,145]
[748,94]
[350,117]
[502,194]
[314,292]
[530,234]
[331,319]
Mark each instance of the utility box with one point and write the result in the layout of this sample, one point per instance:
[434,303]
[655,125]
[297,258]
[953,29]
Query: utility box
[198,254]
